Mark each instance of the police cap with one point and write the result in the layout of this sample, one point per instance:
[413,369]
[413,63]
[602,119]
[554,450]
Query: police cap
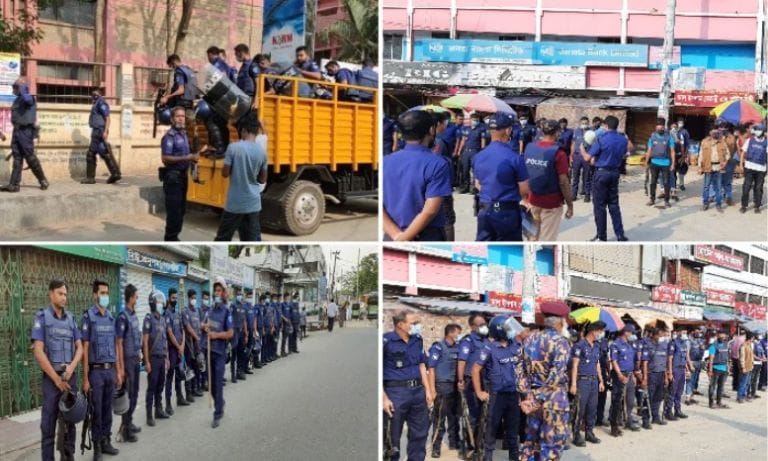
[500,121]
[554,308]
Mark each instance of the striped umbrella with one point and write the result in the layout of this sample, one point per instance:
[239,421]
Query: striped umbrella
[477,103]
[594,313]
[739,111]
[429,108]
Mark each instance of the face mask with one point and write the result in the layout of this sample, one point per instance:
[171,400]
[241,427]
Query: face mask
[193,302]
[684,337]
[584,126]
[104,300]
[711,340]
[523,121]
[664,339]
[660,131]
[720,340]
[158,306]
[239,298]
[680,125]
[415,329]
[205,302]
[564,331]
[459,338]
[483,330]
[758,133]
[217,299]
[172,304]
[601,336]
[475,123]
[632,338]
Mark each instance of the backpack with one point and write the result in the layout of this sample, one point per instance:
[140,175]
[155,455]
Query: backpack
[367,77]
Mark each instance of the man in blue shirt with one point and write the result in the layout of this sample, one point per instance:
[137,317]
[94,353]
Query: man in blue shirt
[608,153]
[581,170]
[247,77]
[345,77]
[99,123]
[308,70]
[717,369]
[501,178]
[388,134]
[24,121]
[245,164]
[660,158]
[416,181]
[473,140]
[442,360]
[443,149]
[586,381]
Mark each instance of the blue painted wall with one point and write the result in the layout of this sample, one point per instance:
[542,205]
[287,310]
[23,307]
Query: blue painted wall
[512,256]
[718,57]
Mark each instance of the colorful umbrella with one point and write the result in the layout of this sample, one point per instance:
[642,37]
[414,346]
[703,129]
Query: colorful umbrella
[594,313]
[477,103]
[739,111]
[756,326]
[429,108]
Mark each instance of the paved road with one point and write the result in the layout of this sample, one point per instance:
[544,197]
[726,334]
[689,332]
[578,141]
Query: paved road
[319,404]
[683,221]
[355,220]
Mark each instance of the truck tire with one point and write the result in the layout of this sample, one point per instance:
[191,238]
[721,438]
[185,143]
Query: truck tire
[303,208]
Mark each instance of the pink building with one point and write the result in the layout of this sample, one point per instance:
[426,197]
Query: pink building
[328,12]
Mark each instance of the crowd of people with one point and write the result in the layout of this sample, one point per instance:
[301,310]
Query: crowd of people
[546,387]
[185,349]
[525,177]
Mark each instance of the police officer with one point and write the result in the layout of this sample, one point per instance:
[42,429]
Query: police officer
[605,368]
[99,357]
[176,156]
[416,181]
[217,331]
[623,359]
[608,154]
[580,169]
[499,360]
[473,140]
[527,131]
[204,308]
[308,70]
[678,363]
[216,125]
[176,340]
[295,323]
[277,305]
[407,393]
[190,319]
[239,337]
[502,180]
[388,134]
[259,332]
[285,317]
[565,139]
[587,381]
[441,362]
[696,353]
[658,378]
[182,92]
[660,158]
[99,123]
[24,120]
[155,343]
[753,164]
[57,349]
[247,78]
[269,327]
[469,347]
[645,348]
[249,307]
[128,357]
[542,384]
[515,140]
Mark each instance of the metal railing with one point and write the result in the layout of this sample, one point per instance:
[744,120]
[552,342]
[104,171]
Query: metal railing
[71,82]
[146,82]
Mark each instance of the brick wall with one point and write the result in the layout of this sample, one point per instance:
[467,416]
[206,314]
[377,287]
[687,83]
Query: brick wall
[574,113]
[433,325]
[688,278]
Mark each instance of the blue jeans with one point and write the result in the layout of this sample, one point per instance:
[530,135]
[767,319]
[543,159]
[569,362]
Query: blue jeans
[728,178]
[693,382]
[743,385]
[712,181]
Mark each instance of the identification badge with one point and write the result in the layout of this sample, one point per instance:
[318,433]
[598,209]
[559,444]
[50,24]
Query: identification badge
[399,364]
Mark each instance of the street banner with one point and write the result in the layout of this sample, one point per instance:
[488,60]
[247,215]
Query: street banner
[470,254]
[719,258]
[721,298]
[666,293]
[114,254]
[283,29]
[701,98]
[10,70]
[756,311]
[693,298]
[138,258]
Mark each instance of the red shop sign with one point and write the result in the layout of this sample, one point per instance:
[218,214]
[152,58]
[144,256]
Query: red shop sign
[719,258]
[666,293]
[721,298]
[756,311]
[697,98]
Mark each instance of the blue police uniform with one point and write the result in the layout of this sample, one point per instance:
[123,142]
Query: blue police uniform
[608,152]
[657,367]
[388,131]
[755,160]
[605,367]
[499,362]
[249,70]
[625,355]
[469,348]
[540,164]
[285,310]
[499,170]
[514,140]
[696,355]
[277,321]
[258,346]
[182,76]
[173,323]
[305,89]
[157,334]
[403,386]
[175,143]
[128,327]
[190,316]
[98,330]
[449,136]
[59,336]
[218,319]
[565,140]
[678,349]
[98,122]
[249,318]
[473,143]
[269,326]
[587,381]
[238,338]
[442,360]
[411,176]
[23,119]
[581,171]
[528,134]
[295,320]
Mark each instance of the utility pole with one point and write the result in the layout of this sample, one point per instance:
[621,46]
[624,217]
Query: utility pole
[357,278]
[335,256]
[666,61]
[529,284]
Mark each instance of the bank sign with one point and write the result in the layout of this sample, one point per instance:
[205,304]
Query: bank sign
[283,29]
[520,52]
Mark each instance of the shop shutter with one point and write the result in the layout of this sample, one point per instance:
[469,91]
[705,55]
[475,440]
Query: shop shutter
[191,284]
[163,282]
[142,280]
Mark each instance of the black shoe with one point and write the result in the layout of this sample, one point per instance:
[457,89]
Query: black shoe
[150,418]
[622,238]
[647,425]
[190,397]
[650,202]
[705,207]
[234,379]
[587,199]
[660,422]
[682,188]
[113,179]
[680,415]
[578,440]
[590,437]
[9,188]
[107,448]
[615,431]
[205,388]
[632,427]
[97,451]
[198,394]
[181,402]
[241,376]
[169,409]
[671,418]
[436,452]
[667,204]
[248,372]
[259,365]
[215,423]
[597,239]
[128,435]
[44,186]
[160,414]
[88,181]
[135,429]
[743,210]
[757,210]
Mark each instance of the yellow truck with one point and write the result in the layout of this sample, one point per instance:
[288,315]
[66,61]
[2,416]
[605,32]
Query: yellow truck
[317,149]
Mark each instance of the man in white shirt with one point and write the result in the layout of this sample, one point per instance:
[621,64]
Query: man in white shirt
[753,164]
[332,311]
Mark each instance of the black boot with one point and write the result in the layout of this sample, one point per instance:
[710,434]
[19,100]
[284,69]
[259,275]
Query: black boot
[112,166]
[578,440]
[150,418]
[128,435]
[37,170]
[615,431]
[97,450]
[90,168]
[10,188]
[190,396]
[234,377]
[107,448]
[436,451]
[160,414]
[134,429]
[180,400]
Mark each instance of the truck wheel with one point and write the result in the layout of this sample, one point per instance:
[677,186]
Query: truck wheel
[303,208]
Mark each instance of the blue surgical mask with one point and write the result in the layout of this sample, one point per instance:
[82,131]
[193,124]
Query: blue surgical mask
[239,298]
[205,302]
[193,302]
[159,306]
[415,329]
[217,299]
[632,338]
[104,300]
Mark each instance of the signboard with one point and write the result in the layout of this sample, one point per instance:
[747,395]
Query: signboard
[222,264]
[688,78]
[720,297]
[696,98]
[497,278]
[666,293]
[692,312]
[10,70]
[197,272]
[656,55]
[156,264]
[322,288]
[108,253]
[756,311]
[485,75]
[521,52]
[470,254]
[693,298]
[283,29]
[719,258]
[512,302]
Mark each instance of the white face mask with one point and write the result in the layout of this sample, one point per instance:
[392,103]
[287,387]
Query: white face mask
[632,338]
[664,339]
[758,133]
[684,337]
[483,330]
[523,121]
[711,340]
[564,331]
[415,329]
[601,336]
[205,302]
[159,306]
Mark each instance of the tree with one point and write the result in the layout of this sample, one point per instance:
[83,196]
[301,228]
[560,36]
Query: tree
[17,35]
[366,274]
[358,32]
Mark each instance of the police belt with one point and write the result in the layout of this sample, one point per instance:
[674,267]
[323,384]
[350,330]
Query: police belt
[605,168]
[627,373]
[589,377]
[59,368]
[102,366]
[500,206]
[22,127]
[403,383]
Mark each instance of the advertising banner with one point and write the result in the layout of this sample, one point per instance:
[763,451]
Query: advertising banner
[719,258]
[10,70]
[283,29]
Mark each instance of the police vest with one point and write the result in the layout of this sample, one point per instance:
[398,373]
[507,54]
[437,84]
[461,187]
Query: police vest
[367,77]
[96,120]
[102,344]
[132,343]
[158,338]
[696,352]
[23,115]
[295,314]
[244,79]
[540,162]
[679,358]
[189,90]
[756,152]
[445,369]
[660,146]
[217,319]
[194,319]
[721,354]
[501,374]
[173,320]
[59,338]
[658,358]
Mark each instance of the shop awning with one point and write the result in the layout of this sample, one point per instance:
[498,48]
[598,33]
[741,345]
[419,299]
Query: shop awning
[719,316]
[632,102]
[528,101]
[448,306]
